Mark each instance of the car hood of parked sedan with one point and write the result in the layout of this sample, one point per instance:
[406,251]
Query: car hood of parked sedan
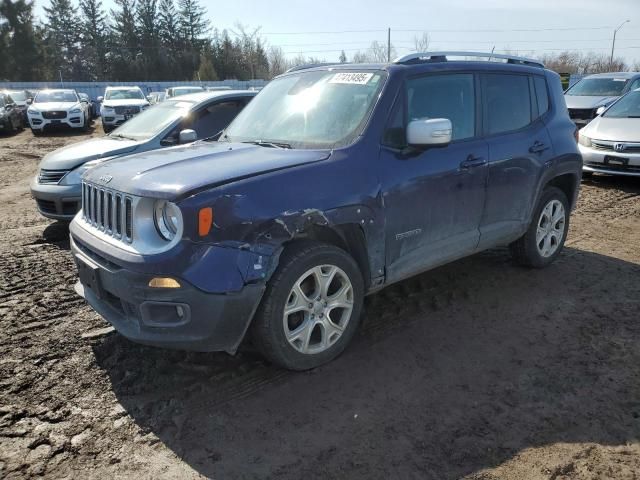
[587,101]
[127,102]
[613,129]
[49,106]
[171,173]
[74,155]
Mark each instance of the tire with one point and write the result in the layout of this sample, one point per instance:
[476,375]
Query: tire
[106,128]
[85,127]
[322,340]
[529,250]
[21,124]
[36,131]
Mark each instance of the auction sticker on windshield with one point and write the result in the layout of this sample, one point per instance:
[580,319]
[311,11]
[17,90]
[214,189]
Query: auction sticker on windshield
[352,78]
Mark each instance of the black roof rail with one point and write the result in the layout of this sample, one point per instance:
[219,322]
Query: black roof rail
[425,57]
[311,65]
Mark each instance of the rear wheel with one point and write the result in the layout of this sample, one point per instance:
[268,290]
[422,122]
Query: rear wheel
[544,239]
[311,308]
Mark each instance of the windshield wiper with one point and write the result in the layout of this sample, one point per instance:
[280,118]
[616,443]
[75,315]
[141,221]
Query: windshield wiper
[119,135]
[261,143]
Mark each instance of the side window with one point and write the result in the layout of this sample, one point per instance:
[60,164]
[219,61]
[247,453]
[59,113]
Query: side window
[541,95]
[507,102]
[449,96]
[635,84]
[216,117]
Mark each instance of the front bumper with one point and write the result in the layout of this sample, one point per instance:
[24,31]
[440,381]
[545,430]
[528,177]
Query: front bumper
[74,120]
[115,120]
[610,162]
[59,202]
[185,318]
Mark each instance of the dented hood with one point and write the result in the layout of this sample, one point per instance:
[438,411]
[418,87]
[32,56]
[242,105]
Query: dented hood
[172,173]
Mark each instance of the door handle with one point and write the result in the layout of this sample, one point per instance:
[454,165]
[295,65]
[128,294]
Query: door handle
[472,161]
[538,147]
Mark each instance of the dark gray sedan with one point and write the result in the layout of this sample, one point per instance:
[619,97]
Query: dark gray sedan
[57,185]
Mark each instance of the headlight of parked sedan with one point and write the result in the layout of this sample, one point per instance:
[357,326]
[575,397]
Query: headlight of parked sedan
[584,140]
[74,177]
[108,110]
[33,111]
[168,219]
[75,110]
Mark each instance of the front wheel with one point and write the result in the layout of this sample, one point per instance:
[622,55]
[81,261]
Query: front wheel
[544,240]
[311,307]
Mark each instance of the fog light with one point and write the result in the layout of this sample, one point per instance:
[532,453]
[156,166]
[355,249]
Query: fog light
[163,282]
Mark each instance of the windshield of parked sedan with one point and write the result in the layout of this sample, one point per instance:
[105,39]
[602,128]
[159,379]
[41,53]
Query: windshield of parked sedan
[18,96]
[184,91]
[598,87]
[132,94]
[152,121]
[320,109]
[627,107]
[55,96]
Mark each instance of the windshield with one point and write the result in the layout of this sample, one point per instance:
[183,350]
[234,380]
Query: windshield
[131,94]
[185,91]
[627,107]
[56,96]
[18,96]
[152,121]
[321,109]
[599,87]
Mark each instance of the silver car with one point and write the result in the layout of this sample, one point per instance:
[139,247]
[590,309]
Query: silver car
[57,186]
[611,143]
[594,91]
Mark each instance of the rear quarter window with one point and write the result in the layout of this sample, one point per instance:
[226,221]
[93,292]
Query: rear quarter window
[542,96]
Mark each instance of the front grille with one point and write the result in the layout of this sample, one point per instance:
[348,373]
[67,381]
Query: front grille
[109,211]
[54,114]
[582,113]
[127,110]
[611,146]
[51,176]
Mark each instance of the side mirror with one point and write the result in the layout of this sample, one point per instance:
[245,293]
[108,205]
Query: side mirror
[429,132]
[187,136]
[600,110]
[100,99]
[29,101]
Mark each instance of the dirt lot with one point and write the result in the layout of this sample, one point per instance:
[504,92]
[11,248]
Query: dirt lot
[479,369]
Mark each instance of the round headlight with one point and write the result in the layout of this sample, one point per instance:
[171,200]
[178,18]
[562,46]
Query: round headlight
[167,218]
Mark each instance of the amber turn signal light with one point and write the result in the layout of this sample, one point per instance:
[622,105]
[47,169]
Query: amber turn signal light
[205,220]
[163,282]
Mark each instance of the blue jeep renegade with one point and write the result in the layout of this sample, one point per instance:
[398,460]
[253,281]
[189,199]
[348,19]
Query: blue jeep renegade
[335,181]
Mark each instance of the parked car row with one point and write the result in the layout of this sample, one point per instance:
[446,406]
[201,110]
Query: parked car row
[56,188]
[607,109]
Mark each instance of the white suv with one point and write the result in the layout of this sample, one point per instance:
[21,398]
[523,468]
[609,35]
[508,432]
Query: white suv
[58,108]
[119,104]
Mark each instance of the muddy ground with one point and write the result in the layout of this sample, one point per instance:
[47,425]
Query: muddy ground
[479,369]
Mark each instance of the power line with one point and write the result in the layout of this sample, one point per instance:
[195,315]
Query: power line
[328,32]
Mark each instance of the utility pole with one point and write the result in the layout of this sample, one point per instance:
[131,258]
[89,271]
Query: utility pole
[613,44]
[61,82]
[389,45]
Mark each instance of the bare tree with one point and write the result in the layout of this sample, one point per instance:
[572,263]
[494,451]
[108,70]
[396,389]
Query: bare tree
[421,42]
[583,63]
[277,61]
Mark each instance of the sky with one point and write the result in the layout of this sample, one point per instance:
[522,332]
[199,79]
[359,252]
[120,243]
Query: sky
[323,28]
